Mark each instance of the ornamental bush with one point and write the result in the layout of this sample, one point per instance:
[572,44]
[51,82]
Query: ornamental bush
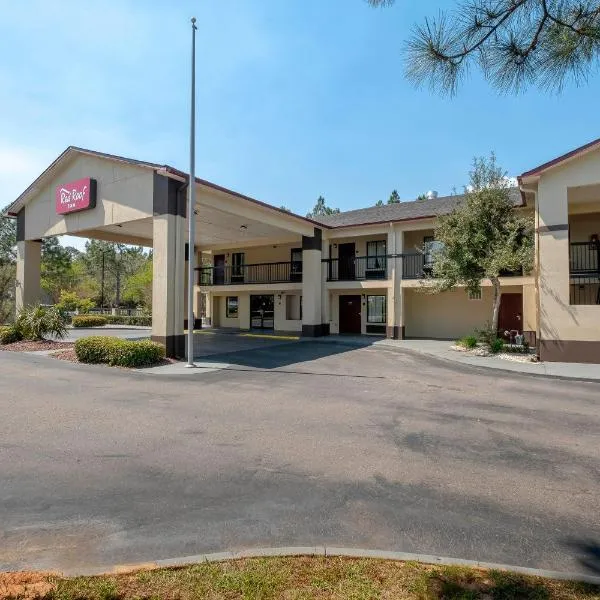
[37,322]
[117,352]
[10,334]
[95,348]
[136,353]
[469,341]
[89,321]
[141,321]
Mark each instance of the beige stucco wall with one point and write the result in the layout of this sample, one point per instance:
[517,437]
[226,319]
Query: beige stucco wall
[581,226]
[334,303]
[558,319]
[360,243]
[242,321]
[448,315]
[124,193]
[413,240]
[260,254]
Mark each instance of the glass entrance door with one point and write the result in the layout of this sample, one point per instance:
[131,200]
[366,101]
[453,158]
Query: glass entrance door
[262,312]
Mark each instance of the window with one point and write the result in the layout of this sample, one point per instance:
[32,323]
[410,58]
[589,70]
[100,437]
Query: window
[232,307]
[474,295]
[237,266]
[293,307]
[376,309]
[376,255]
[296,264]
[430,245]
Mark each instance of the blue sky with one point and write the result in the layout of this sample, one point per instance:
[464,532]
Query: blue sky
[296,98]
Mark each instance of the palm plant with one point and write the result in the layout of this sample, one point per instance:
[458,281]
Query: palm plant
[36,322]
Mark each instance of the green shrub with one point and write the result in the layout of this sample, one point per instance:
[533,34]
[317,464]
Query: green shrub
[136,353]
[70,302]
[95,348]
[141,321]
[89,321]
[37,322]
[496,345]
[10,334]
[469,341]
[117,352]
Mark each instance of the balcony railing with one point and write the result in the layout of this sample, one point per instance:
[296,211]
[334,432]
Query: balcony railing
[416,266]
[357,268]
[278,272]
[584,258]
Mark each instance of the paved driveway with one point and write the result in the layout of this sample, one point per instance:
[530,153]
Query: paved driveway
[296,444]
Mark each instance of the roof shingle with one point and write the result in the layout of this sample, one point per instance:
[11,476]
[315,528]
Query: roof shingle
[403,211]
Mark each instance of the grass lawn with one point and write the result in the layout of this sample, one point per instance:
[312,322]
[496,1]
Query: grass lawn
[298,578]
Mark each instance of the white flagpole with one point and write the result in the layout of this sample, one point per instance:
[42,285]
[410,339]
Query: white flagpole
[191,208]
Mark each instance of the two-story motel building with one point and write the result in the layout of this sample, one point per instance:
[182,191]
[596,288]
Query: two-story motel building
[359,272]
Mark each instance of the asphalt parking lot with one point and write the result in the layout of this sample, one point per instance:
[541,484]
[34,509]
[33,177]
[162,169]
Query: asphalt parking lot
[296,444]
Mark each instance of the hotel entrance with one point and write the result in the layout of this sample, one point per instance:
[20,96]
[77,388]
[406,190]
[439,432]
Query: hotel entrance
[262,312]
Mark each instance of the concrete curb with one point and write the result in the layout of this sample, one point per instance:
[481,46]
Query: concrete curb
[335,551]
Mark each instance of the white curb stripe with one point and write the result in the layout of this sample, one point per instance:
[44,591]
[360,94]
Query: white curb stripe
[334,551]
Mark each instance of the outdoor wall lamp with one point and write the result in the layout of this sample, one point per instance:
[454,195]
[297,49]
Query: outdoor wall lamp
[243,227]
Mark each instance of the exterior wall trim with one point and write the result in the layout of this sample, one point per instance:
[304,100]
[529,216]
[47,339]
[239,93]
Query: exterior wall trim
[320,330]
[549,228]
[313,243]
[21,225]
[570,351]
[174,344]
[167,197]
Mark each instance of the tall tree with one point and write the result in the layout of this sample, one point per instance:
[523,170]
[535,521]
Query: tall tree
[111,264]
[321,209]
[8,238]
[515,43]
[56,274]
[483,236]
[394,198]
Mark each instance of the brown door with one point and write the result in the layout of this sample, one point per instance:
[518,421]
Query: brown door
[219,271]
[511,313]
[346,262]
[350,314]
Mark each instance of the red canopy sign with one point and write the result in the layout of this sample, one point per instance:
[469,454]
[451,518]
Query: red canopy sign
[76,195]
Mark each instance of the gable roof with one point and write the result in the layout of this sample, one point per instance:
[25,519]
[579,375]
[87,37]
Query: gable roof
[72,151]
[555,162]
[403,211]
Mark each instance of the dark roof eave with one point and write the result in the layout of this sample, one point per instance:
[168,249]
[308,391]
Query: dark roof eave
[556,161]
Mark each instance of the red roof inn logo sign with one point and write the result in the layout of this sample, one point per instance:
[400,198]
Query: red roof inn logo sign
[75,196]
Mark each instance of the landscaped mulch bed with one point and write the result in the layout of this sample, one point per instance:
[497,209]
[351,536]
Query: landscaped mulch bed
[304,578]
[29,346]
[70,356]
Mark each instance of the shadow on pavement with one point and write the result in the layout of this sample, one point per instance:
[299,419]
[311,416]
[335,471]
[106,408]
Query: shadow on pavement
[281,355]
[587,553]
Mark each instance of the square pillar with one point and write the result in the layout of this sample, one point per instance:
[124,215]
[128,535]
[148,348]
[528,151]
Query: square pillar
[168,261]
[395,316]
[28,290]
[325,295]
[313,324]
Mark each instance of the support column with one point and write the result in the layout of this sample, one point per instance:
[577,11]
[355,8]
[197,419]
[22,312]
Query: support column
[325,296]
[395,317]
[312,319]
[168,285]
[29,255]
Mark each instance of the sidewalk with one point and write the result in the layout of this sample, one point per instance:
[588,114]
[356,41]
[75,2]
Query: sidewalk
[442,349]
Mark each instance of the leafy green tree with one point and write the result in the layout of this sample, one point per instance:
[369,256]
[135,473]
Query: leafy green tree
[138,288]
[56,273]
[483,237]
[285,208]
[8,240]
[394,198]
[321,209]
[112,263]
[422,197]
[379,203]
[515,43]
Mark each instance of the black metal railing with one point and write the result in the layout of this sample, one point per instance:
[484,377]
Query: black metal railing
[357,268]
[584,258]
[584,290]
[278,272]
[416,266]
